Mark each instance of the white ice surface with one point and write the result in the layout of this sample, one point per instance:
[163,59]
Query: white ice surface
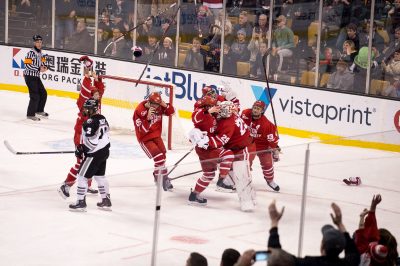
[36,227]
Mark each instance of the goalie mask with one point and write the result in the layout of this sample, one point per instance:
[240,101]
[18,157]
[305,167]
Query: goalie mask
[226,110]
[258,109]
[90,107]
[207,102]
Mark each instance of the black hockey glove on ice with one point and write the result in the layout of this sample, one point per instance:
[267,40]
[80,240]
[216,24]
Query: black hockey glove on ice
[80,151]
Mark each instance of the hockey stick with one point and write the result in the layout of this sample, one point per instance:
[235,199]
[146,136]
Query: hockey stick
[140,24]
[269,90]
[191,173]
[11,149]
[157,45]
[180,160]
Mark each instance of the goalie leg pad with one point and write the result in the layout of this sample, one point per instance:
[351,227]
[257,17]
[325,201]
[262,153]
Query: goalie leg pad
[242,177]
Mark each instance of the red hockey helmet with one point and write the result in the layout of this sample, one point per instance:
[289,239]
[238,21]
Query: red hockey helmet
[260,104]
[155,97]
[208,91]
[207,101]
[87,62]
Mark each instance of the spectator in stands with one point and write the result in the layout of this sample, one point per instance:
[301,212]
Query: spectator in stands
[120,9]
[349,52]
[387,239]
[144,31]
[194,57]
[262,26]
[167,29]
[229,66]
[196,259]
[392,68]
[105,23]
[334,241]
[282,42]
[349,33]
[218,22]
[204,20]
[65,21]
[332,15]
[342,78]
[166,53]
[394,14]
[393,90]
[243,24]
[394,45]
[102,39]
[81,40]
[254,46]
[359,69]
[229,257]
[149,47]
[118,47]
[377,40]
[239,47]
[257,69]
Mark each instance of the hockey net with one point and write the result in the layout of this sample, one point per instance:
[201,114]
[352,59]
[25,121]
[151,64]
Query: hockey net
[122,96]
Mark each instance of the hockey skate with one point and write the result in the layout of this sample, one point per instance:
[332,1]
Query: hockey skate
[64,191]
[222,187]
[79,206]
[352,181]
[33,118]
[92,191]
[105,204]
[273,185]
[43,114]
[166,184]
[195,199]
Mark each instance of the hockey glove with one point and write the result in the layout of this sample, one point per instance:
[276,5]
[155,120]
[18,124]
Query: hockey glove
[203,143]
[80,151]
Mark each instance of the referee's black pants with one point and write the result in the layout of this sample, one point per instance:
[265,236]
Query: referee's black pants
[37,95]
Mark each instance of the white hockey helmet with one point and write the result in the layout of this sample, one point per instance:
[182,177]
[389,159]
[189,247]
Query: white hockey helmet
[226,109]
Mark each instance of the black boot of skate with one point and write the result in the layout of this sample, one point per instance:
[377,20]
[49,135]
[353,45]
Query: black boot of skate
[105,204]
[195,199]
[222,187]
[79,206]
[64,191]
[166,184]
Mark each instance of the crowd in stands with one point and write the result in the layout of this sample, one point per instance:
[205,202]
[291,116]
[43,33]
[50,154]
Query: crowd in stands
[367,246]
[291,44]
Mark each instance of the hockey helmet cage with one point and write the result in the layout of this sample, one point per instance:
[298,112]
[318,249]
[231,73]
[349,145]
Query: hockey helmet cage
[207,101]
[226,109]
[260,104]
[37,37]
[208,91]
[155,97]
[91,105]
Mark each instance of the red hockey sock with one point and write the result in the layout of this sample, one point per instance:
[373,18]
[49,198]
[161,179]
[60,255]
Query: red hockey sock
[204,181]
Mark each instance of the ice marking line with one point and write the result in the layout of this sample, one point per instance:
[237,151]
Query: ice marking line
[167,250]
[207,230]
[120,248]
[129,237]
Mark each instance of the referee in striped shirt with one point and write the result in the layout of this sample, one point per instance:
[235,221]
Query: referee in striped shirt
[35,63]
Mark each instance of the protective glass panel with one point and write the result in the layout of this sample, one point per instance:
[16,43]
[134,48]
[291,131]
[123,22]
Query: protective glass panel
[27,18]
[2,20]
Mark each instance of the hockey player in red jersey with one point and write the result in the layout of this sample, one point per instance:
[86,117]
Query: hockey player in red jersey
[265,138]
[208,91]
[232,133]
[87,91]
[147,119]
[204,120]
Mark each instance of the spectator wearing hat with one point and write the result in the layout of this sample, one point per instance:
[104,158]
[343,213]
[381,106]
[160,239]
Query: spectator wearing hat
[392,90]
[334,241]
[342,78]
[239,47]
[35,63]
[166,53]
[282,42]
[229,257]
[81,41]
[118,46]
[359,69]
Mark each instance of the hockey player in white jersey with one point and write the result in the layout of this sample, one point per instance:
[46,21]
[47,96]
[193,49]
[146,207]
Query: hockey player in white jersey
[94,151]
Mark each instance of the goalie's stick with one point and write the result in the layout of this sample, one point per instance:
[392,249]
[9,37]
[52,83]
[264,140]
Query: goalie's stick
[180,160]
[268,89]
[157,45]
[11,149]
[140,24]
